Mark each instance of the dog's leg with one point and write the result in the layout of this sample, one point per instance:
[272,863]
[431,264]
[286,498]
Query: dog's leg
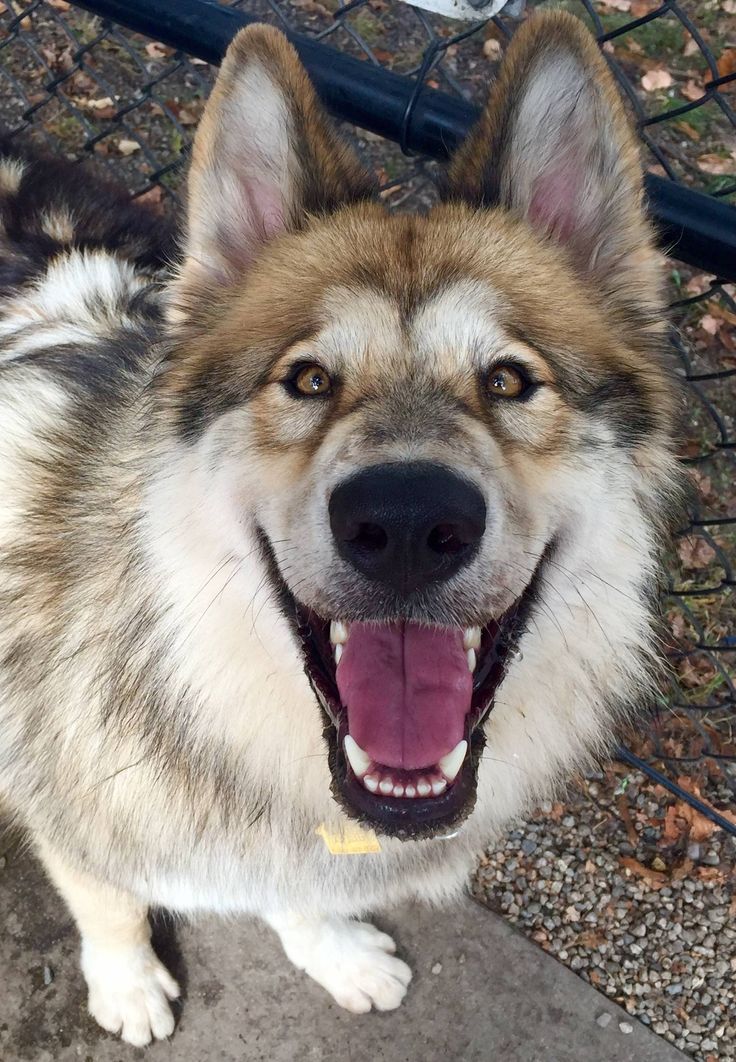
[354,961]
[129,989]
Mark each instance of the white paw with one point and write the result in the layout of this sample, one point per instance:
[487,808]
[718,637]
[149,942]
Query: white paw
[129,992]
[354,961]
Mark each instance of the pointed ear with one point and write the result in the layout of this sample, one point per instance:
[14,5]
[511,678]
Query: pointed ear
[265,156]
[554,147]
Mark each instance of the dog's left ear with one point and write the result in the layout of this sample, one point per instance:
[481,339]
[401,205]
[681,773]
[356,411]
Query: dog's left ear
[554,147]
[265,157]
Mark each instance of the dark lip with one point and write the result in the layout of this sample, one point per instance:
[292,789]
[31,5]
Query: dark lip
[418,818]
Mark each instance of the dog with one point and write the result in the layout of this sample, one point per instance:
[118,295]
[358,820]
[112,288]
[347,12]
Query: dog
[330,542]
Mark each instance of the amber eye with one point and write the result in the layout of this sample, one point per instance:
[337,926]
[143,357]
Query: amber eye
[312,381]
[505,381]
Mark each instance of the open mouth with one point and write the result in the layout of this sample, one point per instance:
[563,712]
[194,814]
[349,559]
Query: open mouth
[404,704]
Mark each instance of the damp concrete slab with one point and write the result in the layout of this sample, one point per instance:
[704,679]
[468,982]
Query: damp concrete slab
[481,992]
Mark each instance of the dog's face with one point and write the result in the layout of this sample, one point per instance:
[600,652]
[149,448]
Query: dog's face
[418,420]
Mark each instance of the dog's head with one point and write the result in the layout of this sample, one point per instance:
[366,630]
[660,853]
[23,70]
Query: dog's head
[449,435]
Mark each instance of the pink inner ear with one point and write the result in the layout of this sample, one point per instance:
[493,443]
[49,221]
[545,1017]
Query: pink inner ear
[267,205]
[555,205]
[260,218]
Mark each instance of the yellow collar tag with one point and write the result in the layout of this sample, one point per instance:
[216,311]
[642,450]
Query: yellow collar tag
[350,840]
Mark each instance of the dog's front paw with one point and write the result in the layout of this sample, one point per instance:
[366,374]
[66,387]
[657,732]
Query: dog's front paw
[129,992]
[354,961]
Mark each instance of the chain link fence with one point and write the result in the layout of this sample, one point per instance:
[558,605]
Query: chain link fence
[79,84]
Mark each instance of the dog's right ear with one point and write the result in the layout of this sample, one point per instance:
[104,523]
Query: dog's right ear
[265,157]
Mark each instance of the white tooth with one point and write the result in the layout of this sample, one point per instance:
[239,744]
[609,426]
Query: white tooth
[386,786]
[338,633]
[337,649]
[410,791]
[398,790]
[370,782]
[471,659]
[471,638]
[439,786]
[360,761]
[423,787]
[453,761]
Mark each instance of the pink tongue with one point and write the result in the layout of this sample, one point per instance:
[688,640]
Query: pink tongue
[407,691]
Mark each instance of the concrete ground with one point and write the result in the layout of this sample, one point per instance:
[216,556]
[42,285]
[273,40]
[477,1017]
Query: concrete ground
[481,992]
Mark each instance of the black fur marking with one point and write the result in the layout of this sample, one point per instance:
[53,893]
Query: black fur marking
[102,217]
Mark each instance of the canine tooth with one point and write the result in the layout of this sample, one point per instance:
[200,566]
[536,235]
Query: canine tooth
[439,786]
[337,649]
[410,791]
[398,790]
[338,633]
[423,787]
[471,658]
[370,782]
[471,638]
[386,786]
[453,761]
[360,761]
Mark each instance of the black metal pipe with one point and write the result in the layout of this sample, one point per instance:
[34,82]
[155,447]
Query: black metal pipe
[693,227]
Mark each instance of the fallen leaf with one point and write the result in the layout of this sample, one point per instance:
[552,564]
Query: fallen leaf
[692,91]
[100,104]
[492,49]
[691,47]
[156,50]
[709,324]
[689,130]
[727,65]
[701,827]
[591,938]
[683,870]
[654,878]
[58,58]
[616,5]
[153,198]
[675,825]
[640,8]
[311,7]
[656,79]
[623,810]
[712,874]
[128,147]
[729,6]
[695,553]
[717,164]
[59,5]
[699,283]
[694,672]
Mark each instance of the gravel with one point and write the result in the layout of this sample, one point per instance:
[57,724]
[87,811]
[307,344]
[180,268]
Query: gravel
[650,921]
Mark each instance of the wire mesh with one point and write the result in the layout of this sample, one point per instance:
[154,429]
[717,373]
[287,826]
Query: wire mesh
[90,89]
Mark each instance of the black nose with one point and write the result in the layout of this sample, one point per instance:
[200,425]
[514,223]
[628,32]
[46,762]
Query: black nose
[407,525]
